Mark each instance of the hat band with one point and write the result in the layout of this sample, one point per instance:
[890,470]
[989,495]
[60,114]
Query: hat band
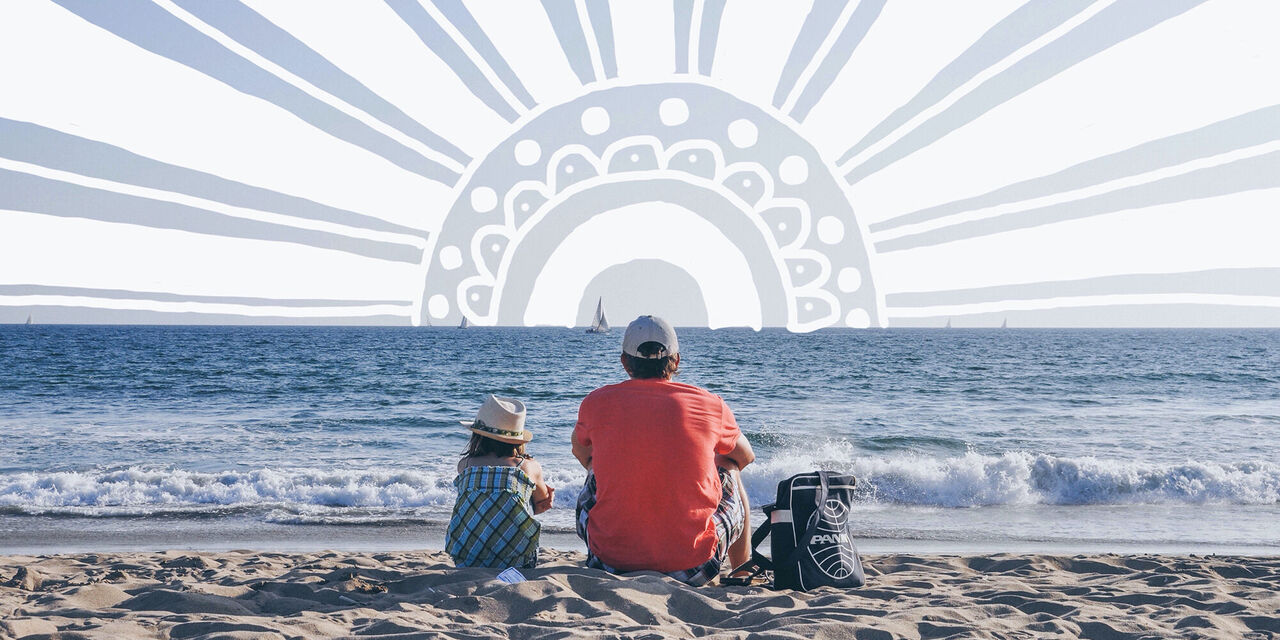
[496,431]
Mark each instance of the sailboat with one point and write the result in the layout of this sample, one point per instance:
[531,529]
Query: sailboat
[1005,324]
[599,324]
[465,323]
[28,319]
[948,324]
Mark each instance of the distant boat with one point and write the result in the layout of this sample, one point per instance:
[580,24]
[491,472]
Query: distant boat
[948,324]
[1005,324]
[28,319]
[599,324]
[465,323]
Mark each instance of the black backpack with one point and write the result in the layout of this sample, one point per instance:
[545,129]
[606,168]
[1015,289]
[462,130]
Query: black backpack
[811,538]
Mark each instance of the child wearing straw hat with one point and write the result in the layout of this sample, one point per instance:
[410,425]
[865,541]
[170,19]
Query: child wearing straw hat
[500,488]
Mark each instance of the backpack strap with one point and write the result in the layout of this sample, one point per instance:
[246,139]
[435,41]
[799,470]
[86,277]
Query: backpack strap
[758,563]
[812,529]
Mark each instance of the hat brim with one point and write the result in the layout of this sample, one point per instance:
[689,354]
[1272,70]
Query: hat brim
[524,437]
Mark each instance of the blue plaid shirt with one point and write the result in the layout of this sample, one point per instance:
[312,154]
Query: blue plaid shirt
[492,523]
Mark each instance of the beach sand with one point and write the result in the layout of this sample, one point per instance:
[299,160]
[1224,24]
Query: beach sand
[246,594]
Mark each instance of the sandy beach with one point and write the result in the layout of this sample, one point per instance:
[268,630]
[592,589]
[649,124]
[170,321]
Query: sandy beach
[246,594]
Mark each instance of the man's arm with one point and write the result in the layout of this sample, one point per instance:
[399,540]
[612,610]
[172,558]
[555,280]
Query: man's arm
[581,451]
[742,453]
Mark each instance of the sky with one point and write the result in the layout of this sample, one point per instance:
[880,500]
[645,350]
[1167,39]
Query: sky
[803,165]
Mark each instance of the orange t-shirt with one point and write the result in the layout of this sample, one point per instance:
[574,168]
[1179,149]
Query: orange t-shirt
[653,445]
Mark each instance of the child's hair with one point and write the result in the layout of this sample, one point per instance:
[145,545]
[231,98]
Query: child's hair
[482,446]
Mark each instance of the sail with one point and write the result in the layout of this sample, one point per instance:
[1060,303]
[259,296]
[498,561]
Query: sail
[948,323]
[599,323]
[1005,324]
[28,318]
[464,324]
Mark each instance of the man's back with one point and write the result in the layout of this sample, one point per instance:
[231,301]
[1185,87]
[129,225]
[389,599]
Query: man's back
[653,446]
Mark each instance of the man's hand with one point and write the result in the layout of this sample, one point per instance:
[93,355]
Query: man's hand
[544,504]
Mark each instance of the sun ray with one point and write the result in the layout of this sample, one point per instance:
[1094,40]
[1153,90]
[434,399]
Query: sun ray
[36,145]
[708,34]
[1254,128]
[11,290]
[683,28]
[1166,184]
[523,35]
[370,42]
[1114,24]
[465,23]
[750,65]
[1261,171]
[974,82]
[599,30]
[818,78]
[1016,30]
[310,71]
[268,218]
[1084,301]
[445,42]
[1161,312]
[819,27]
[1106,114]
[54,251]
[1175,237]
[154,28]
[476,57]
[202,307]
[921,38]
[696,31]
[58,193]
[442,159]
[567,23]
[693,35]
[1257,282]
[113,92]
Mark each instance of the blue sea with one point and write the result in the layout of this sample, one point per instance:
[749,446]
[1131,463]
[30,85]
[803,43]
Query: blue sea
[961,439]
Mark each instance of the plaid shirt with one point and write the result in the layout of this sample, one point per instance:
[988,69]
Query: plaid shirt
[492,523]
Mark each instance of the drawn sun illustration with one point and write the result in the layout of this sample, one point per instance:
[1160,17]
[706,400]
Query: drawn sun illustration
[851,163]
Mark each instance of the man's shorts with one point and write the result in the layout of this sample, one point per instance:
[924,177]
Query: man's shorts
[730,519]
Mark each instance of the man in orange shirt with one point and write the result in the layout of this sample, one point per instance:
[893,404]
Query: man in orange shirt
[663,459]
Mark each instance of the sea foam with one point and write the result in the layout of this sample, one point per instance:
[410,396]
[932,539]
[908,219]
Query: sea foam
[136,490]
[1022,478]
[969,480]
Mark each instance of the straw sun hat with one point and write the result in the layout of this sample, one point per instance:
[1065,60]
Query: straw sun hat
[501,419]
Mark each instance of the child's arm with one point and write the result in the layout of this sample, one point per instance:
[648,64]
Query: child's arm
[542,494]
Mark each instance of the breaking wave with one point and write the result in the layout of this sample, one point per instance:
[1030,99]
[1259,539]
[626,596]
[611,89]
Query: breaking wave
[1021,478]
[968,480]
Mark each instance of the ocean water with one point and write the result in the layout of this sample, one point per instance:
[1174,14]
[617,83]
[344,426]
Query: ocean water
[960,439]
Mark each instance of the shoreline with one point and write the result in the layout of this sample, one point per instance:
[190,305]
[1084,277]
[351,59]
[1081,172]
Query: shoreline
[254,594]
[60,535]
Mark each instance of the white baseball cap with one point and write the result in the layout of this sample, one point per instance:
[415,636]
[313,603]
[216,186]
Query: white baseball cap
[650,329]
